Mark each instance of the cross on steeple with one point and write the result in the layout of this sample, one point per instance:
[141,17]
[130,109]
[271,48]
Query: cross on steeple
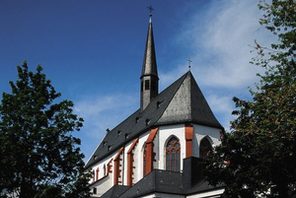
[150,9]
[189,63]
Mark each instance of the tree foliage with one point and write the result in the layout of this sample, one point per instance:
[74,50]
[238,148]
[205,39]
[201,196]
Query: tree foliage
[258,156]
[39,155]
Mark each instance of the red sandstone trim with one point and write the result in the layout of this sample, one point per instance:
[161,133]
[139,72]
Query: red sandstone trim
[130,160]
[188,137]
[149,151]
[109,167]
[116,166]
[97,174]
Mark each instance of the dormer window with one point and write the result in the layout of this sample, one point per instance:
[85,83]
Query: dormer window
[109,147]
[104,143]
[137,119]
[147,122]
[158,104]
[118,132]
[126,135]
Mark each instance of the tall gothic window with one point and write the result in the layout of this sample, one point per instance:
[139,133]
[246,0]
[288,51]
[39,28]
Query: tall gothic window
[97,174]
[205,148]
[173,154]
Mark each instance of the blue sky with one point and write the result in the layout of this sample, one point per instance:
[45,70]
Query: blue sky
[93,51]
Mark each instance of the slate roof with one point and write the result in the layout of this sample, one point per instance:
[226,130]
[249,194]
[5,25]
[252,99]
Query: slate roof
[115,191]
[189,105]
[149,64]
[181,102]
[160,181]
[157,181]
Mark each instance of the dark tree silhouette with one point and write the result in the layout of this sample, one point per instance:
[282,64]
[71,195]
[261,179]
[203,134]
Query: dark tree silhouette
[39,155]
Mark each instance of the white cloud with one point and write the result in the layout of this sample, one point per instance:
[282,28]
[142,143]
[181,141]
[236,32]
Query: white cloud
[221,45]
[220,39]
[222,107]
[102,112]
[99,113]
[222,104]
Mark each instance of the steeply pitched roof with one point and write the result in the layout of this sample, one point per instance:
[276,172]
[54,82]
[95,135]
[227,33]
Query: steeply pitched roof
[115,191]
[149,64]
[181,102]
[189,105]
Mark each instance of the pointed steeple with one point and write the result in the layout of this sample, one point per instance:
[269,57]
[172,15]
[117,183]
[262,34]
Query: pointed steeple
[149,76]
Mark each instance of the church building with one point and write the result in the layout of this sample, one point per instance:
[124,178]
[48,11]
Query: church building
[157,150]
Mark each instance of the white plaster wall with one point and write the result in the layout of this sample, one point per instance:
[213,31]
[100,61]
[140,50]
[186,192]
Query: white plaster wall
[201,132]
[121,168]
[211,194]
[163,195]
[165,132]
[100,164]
[126,149]
[103,186]
[109,180]
[156,150]
[138,161]
[138,157]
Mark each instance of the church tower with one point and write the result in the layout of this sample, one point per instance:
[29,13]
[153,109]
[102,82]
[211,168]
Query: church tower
[149,77]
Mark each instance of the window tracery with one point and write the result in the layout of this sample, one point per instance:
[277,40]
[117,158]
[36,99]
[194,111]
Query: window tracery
[173,154]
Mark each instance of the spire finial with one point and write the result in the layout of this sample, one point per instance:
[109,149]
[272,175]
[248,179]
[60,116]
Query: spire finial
[150,9]
[189,63]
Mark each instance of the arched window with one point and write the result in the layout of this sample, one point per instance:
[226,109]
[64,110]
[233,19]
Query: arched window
[97,174]
[205,147]
[173,154]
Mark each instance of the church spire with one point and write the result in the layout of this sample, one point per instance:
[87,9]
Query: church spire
[149,76]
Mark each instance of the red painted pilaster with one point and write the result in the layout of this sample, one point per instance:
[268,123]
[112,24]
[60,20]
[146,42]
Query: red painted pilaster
[97,174]
[130,160]
[149,151]
[189,138]
[116,166]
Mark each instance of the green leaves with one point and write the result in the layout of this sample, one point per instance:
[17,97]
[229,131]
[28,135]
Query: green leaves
[258,157]
[38,150]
